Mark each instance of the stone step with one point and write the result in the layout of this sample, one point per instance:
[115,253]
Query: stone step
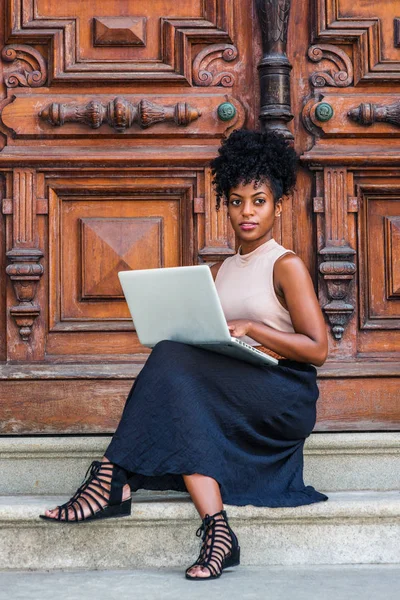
[332,462]
[360,527]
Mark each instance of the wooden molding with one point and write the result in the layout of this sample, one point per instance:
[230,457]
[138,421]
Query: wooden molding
[368,113]
[364,36]
[337,267]
[378,246]
[218,236]
[24,269]
[392,243]
[397,32]
[119,114]
[176,37]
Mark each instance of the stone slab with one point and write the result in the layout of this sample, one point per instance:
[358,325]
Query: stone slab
[351,527]
[332,462]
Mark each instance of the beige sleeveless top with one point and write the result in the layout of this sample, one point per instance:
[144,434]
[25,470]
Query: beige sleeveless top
[245,286]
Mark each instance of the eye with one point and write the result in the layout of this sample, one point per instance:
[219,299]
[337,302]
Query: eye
[262,200]
[235,200]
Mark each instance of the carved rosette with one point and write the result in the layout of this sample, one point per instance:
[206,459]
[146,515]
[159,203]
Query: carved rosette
[341,77]
[204,75]
[25,272]
[274,67]
[368,113]
[338,272]
[119,113]
[32,71]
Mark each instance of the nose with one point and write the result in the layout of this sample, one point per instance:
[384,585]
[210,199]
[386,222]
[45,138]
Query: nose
[247,209]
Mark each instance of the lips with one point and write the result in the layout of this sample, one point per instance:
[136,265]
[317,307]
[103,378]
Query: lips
[247,226]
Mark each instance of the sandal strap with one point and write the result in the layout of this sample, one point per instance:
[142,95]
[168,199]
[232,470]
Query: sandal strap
[216,536]
[97,477]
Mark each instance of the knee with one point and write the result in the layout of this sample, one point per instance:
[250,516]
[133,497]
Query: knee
[164,345]
[166,348]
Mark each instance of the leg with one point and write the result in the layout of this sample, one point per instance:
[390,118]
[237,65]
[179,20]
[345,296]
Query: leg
[205,493]
[218,540]
[92,498]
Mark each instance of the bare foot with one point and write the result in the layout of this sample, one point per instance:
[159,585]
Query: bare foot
[96,495]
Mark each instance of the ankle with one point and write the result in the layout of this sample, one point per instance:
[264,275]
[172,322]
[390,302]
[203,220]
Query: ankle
[214,514]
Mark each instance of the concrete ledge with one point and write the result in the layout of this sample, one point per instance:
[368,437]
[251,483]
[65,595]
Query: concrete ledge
[333,582]
[351,527]
[332,462]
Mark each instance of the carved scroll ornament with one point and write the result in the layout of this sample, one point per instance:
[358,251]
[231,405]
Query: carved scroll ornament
[119,114]
[274,67]
[342,77]
[32,71]
[368,113]
[204,76]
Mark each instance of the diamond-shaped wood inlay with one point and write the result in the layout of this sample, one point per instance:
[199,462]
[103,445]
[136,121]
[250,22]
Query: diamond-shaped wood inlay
[119,31]
[110,245]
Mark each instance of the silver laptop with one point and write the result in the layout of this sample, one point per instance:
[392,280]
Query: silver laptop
[182,304]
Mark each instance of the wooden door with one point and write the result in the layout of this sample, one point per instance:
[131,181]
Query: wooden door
[110,113]
[346,77]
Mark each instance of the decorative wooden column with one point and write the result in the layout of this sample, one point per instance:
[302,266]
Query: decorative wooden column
[24,269]
[274,67]
[338,267]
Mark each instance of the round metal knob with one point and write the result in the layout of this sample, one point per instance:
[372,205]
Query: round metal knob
[324,112]
[226,111]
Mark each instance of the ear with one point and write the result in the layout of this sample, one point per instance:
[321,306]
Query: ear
[278,208]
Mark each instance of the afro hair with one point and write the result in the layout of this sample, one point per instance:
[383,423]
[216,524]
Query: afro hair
[247,156]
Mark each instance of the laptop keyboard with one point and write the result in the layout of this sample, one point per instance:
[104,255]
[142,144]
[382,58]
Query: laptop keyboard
[247,346]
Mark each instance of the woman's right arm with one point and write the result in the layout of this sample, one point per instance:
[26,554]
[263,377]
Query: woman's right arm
[215,269]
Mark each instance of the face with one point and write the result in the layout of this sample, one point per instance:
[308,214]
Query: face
[252,213]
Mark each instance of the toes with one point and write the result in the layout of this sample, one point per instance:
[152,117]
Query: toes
[52,513]
[199,572]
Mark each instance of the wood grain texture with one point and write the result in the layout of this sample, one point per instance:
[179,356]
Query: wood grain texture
[378,233]
[368,28]
[119,31]
[97,192]
[171,29]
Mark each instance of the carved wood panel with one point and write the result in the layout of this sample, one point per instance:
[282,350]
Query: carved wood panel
[379,257]
[109,115]
[369,28]
[94,41]
[89,244]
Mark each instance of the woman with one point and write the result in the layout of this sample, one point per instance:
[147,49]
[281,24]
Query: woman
[220,428]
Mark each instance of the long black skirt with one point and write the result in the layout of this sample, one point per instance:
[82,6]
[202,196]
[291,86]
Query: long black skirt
[194,411]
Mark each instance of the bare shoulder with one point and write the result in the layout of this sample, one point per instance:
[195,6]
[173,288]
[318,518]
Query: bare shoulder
[290,265]
[215,268]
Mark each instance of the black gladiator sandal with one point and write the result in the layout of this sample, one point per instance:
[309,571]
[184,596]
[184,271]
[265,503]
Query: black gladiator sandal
[100,473]
[222,552]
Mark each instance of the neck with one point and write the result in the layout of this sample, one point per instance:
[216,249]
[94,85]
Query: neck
[246,246]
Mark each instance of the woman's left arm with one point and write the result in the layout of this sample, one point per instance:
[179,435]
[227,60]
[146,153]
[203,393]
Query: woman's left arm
[309,343]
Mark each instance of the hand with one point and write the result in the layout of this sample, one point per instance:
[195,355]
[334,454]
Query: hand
[239,327]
